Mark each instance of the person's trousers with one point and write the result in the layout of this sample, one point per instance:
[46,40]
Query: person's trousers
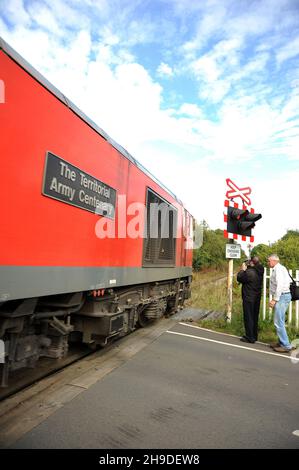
[251,309]
[279,319]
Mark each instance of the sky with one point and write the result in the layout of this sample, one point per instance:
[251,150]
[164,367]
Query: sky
[197,90]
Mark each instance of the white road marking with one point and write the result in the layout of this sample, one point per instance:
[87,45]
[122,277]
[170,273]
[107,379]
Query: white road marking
[296,433]
[217,332]
[232,345]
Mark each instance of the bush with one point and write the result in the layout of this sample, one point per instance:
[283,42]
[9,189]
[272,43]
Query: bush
[287,248]
[212,251]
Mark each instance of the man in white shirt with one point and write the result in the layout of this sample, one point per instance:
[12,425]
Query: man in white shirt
[281,297]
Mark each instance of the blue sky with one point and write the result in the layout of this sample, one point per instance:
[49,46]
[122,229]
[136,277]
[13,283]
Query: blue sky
[197,91]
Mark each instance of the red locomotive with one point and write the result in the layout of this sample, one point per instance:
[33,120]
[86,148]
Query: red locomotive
[91,243]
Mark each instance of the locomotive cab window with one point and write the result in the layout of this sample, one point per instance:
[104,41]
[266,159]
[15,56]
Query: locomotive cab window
[160,231]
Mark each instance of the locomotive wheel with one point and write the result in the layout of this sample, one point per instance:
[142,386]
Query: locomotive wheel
[143,321]
[171,307]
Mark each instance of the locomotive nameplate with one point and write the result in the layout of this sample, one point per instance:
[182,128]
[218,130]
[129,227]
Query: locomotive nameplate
[67,183]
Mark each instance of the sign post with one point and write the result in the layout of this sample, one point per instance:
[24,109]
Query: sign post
[234,219]
[249,246]
[230,275]
[232,252]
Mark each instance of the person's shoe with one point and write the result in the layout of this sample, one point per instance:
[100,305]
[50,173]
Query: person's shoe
[281,349]
[274,345]
[244,339]
[247,340]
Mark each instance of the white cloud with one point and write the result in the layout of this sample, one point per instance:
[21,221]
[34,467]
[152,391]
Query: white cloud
[227,47]
[272,197]
[211,23]
[257,22]
[254,66]
[215,70]
[16,13]
[139,32]
[231,21]
[191,110]
[206,67]
[33,46]
[164,70]
[43,16]
[215,92]
[110,82]
[288,51]
[3,28]
[94,63]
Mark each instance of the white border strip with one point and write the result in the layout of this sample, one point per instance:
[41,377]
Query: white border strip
[295,359]
[217,332]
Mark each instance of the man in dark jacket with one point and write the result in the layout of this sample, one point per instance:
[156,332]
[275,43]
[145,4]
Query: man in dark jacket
[251,278]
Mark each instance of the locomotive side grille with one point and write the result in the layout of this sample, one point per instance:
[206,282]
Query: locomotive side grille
[159,241]
[117,323]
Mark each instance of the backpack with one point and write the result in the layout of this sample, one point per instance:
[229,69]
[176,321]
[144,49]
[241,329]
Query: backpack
[294,289]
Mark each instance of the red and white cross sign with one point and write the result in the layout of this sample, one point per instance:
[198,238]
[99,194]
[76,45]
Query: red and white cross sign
[235,191]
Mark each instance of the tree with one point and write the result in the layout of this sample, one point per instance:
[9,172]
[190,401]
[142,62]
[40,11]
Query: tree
[290,234]
[263,252]
[287,248]
[212,252]
[288,251]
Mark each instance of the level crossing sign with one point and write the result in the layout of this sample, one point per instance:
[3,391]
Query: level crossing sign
[233,251]
[235,191]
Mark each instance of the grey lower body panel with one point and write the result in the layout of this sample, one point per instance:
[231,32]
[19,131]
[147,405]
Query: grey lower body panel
[20,282]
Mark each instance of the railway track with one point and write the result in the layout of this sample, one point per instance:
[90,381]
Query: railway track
[218,280]
[25,409]
[22,378]
[25,377]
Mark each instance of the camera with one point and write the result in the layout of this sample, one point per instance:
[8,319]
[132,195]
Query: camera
[247,262]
